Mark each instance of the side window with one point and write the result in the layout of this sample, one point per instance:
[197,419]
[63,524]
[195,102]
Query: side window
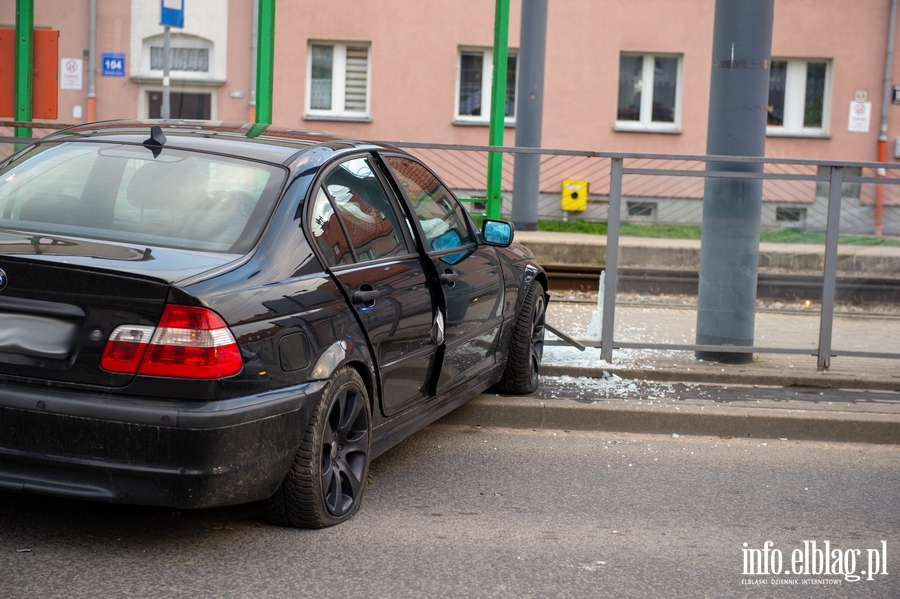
[327,232]
[364,208]
[440,215]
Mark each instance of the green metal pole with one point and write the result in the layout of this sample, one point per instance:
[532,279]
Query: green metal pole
[498,108]
[265,61]
[24,64]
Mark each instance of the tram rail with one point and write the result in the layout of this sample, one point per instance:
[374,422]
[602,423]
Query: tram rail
[770,285]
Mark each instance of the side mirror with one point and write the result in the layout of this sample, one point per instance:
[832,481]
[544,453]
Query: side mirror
[497,232]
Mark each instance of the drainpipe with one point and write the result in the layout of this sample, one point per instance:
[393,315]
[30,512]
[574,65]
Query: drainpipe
[165,109]
[92,50]
[885,102]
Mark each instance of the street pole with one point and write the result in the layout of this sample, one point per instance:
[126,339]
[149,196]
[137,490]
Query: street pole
[529,114]
[498,108]
[164,111]
[883,131]
[265,59]
[729,249]
[24,64]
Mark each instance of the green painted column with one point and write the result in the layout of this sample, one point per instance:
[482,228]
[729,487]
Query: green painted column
[265,61]
[24,64]
[498,108]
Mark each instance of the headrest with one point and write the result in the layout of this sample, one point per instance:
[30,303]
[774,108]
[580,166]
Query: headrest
[159,185]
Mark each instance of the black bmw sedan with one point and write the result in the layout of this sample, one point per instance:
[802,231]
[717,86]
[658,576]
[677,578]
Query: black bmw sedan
[197,314]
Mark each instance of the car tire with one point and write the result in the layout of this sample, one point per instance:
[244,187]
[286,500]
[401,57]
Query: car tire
[526,346]
[325,483]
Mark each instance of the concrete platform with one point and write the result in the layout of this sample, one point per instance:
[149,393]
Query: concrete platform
[582,248]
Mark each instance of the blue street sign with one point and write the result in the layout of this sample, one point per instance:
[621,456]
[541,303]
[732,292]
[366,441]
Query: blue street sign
[113,64]
[171,13]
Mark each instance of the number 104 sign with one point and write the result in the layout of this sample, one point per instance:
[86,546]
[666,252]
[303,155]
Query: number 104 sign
[113,64]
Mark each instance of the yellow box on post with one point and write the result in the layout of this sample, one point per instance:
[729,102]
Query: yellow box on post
[574,195]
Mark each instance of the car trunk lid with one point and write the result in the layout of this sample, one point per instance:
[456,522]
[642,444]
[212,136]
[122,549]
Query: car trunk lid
[57,312]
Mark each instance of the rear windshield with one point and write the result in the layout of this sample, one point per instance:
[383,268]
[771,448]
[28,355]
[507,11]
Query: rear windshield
[122,193]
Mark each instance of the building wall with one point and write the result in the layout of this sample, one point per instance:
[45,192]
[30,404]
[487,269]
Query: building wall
[413,75]
[122,27]
[414,48]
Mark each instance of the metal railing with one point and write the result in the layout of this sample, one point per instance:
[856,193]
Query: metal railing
[460,169]
[614,176]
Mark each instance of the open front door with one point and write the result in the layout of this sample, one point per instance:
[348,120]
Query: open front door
[469,274]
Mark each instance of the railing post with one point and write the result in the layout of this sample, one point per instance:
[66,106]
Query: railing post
[829,279]
[612,259]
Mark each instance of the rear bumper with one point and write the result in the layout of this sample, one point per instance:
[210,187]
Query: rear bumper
[167,453]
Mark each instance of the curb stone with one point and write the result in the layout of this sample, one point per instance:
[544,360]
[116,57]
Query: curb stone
[713,420]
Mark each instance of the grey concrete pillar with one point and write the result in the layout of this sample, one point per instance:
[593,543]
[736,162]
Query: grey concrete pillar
[729,251]
[529,113]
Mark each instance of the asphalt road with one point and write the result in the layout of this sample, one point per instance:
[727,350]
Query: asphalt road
[471,512]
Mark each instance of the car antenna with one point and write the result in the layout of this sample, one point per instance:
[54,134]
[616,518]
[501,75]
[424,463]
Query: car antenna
[156,140]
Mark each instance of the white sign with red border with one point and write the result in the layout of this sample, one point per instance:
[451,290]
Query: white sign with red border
[70,71]
[860,117]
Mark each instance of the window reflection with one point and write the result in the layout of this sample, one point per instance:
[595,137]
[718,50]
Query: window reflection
[777,85]
[440,215]
[327,232]
[630,83]
[365,210]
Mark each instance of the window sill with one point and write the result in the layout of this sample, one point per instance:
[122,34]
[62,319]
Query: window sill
[457,123]
[348,119]
[638,129]
[797,134]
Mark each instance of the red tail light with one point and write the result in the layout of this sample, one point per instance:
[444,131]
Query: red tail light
[188,342]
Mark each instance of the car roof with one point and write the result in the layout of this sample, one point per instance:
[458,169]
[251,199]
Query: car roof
[268,143]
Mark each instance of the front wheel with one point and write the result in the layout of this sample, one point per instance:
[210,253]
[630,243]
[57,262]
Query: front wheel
[526,347]
[325,483]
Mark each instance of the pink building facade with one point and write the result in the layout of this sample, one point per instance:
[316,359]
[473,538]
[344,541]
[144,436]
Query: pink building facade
[418,70]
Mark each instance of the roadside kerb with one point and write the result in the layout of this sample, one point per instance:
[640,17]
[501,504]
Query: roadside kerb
[714,419]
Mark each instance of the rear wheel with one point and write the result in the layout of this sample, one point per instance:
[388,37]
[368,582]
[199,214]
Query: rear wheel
[526,347]
[325,483]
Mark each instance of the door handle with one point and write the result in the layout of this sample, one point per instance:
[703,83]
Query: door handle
[365,296]
[449,277]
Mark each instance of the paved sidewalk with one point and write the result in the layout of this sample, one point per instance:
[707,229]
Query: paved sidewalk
[799,330]
[670,392]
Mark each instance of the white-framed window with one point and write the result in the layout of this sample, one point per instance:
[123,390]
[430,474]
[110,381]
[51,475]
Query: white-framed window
[650,88]
[338,80]
[799,91]
[473,85]
[191,60]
